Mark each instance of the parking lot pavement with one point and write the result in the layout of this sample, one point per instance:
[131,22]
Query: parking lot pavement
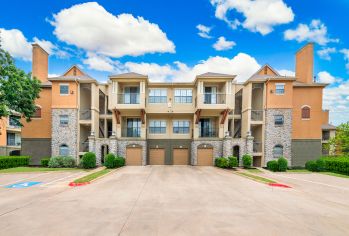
[176,200]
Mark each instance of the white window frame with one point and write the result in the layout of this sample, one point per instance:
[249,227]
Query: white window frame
[276,89]
[180,127]
[157,92]
[180,95]
[65,123]
[154,124]
[63,94]
[283,120]
[67,150]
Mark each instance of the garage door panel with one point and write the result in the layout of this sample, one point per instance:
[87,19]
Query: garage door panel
[180,156]
[205,157]
[157,156]
[134,156]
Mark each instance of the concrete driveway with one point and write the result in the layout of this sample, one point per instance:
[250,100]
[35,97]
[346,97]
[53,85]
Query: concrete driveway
[174,200]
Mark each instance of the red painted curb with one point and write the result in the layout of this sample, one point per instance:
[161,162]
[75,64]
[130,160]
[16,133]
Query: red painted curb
[279,185]
[72,184]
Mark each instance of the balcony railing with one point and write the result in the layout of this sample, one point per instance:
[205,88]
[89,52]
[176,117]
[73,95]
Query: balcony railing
[13,143]
[214,98]
[128,98]
[208,133]
[85,114]
[84,147]
[131,132]
[257,115]
[325,136]
[257,147]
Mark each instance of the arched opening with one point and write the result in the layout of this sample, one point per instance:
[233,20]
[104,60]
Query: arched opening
[15,153]
[278,151]
[305,112]
[236,152]
[64,150]
[104,152]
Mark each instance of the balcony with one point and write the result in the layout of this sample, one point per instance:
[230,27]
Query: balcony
[131,132]
[84,147]
[128,98]
[325,136]
[257,147]
[257,115]
[85,114]
[214,98]
[208,132]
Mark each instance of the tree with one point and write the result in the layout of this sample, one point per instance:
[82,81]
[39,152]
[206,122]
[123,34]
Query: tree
[18,90]
[341,141]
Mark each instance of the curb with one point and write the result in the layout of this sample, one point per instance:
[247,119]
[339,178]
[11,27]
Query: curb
[72,184]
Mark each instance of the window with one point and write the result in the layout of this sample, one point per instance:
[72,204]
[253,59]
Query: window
[37,113]
[157,127]
[133,127]
[183,96]
[14,122]
[63,89]
[181,126]
[157,95]
[64,150]
[306,112]
[279,89]
[278,151]
[13,139]
[278,119]
[63,120]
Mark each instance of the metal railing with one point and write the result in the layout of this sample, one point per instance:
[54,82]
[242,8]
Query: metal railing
[13,143]
[208,132]
[214,98]
[157,99]
[325,136]
[131,132]
[257,147]
[85,114]
[257,115]
[128,98]
[84,147]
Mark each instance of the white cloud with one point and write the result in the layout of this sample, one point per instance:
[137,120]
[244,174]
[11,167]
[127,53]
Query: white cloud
[18,46]
[286,72]
[346,56]
[325,53]
[53,75]
[90,27]
[204,31]
[316,32]
[325,77]
[97,62]
[223,44]
[242,65]
[260,16]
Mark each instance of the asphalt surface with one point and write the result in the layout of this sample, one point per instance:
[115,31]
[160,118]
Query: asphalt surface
[179,200]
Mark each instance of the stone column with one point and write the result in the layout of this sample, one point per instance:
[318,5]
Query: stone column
[113,144]
[227,148]
[91,143]
[249,145]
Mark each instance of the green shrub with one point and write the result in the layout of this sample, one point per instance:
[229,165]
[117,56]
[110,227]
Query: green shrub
[336,164]
[44,161]
[119,161]
[311,166]
[273,165]
[88,160]
[109,161]
[232,162]
[247,161]
[56,162]
[320,164]
[222,162]
[68,162]
[282,164]
[13,161]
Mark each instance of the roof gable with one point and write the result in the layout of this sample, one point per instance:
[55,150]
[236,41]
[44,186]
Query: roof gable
[267,70]
[74,71]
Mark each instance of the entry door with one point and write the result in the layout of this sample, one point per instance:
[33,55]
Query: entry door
[210,95]
[131,95]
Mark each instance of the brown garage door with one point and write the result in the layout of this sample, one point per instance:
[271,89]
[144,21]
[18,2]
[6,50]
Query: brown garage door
[180,156]
[156,156]
[205,156]
[134,156]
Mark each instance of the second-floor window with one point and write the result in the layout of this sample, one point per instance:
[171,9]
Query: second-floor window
[13,139]
[14,121]
[63,120]
[157,127]
[183,96]
[306,112]
[181,126]
[37,113]
[157,96]
[278,119]
[279,89]
[63,89]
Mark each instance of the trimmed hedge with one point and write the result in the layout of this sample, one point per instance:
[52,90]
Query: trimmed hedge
[61,161]
[232,162]
[221,162]
[88,160]
[44,162]
[336,164]
[13,161]
[273,165]
[282,164]
[109,161]
[119,161]
[311,166]
[247,161]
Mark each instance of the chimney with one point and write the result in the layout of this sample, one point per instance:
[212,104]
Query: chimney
[305,64]
[40,63]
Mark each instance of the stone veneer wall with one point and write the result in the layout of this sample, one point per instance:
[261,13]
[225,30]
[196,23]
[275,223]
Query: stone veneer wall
[278,134]
[122,144]
[216,144]
[95,145]
[65,134]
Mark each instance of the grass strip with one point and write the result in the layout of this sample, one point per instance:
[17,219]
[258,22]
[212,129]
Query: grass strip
[24,169]
[256,178]
[254,170]
[90,177]
[334,174]
[298,171]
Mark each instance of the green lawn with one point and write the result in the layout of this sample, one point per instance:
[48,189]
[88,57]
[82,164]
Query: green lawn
[254,170]
[299,171]
[24,169]
[92,176]
[334,174]
[255,177]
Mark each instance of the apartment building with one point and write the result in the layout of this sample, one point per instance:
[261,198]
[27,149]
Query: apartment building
[188,123]
[10,135]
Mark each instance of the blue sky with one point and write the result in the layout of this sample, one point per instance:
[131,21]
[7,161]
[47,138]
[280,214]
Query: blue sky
[175,40]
